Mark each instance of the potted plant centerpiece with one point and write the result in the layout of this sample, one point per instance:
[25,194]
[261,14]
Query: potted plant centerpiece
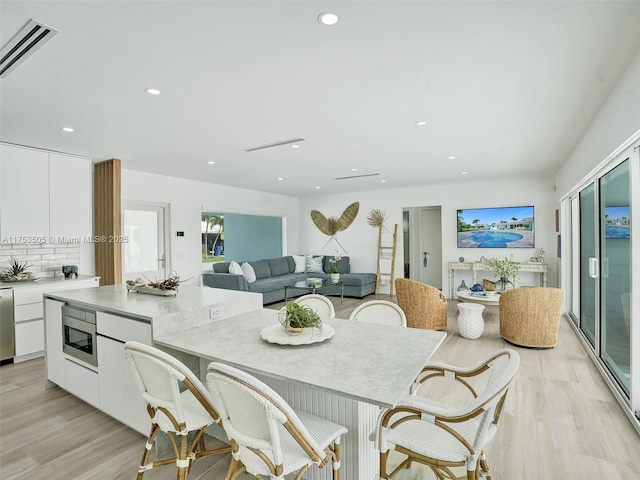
[295,318]
[335,272]
[503,269]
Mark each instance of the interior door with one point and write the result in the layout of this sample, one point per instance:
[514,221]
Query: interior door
[144,252]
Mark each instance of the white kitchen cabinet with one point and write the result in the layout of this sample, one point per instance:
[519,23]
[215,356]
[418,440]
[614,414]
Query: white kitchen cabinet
[70,203]
[119,395]
[82,382]
[111,359]
[28,315]
[44,196]
[24,192]
[54,359]
[29,338]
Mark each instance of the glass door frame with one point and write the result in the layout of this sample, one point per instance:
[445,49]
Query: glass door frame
[629,150]
[164,214]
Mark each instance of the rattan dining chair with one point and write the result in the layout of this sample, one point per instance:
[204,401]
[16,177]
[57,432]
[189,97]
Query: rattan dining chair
[530,317]
[159,377]
[318,303]
[443,437]
[379,311]
[268,438]
[424,306]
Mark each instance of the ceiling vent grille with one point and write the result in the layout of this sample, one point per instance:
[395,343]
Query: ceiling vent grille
[358,176]
[28,40]
[276,144]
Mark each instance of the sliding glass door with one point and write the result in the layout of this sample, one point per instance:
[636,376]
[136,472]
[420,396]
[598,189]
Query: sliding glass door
[601,254]
[615,282]
[588,263]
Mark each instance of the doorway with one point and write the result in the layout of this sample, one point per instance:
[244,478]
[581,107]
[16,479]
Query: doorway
[145,253]
[422,230]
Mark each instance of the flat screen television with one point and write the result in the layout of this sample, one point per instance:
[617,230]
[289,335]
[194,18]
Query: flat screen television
[502,227]
[617,222]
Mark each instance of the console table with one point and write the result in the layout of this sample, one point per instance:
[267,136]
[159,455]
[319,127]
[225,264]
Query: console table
[540,268]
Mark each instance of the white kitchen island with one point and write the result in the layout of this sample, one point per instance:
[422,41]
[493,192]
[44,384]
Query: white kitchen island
[346,378]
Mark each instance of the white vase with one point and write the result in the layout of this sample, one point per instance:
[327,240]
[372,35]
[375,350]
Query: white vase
[334,277]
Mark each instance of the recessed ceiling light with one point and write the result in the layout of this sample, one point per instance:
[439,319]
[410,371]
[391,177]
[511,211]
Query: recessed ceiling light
[280,178]
[152,91]
[317,188]
[68,129]
[464,173]
[295,146]
[354,169]
[451,157]
[421,123]
[328,18]
[211,163]
[383,181]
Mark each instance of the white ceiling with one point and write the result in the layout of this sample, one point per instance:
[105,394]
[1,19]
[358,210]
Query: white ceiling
[508,88]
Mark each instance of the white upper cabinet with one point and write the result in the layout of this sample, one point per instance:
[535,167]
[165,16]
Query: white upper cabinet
[70,196]
[44,195]
[24,192]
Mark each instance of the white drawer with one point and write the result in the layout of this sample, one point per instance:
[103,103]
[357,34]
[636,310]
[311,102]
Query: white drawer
[29,338]
[82,382]
[123,329]
[24,296]
[27,312]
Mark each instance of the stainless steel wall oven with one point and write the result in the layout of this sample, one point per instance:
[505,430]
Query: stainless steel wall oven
[79,334]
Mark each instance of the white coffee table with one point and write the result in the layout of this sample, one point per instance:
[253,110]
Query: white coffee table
[479,298]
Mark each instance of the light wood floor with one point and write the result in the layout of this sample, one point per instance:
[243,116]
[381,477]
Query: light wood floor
[560,421]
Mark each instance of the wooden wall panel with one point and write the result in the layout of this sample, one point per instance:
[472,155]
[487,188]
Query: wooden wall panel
[108,221]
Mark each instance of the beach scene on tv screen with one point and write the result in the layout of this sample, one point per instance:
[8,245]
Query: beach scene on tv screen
[618,222]
[504,227]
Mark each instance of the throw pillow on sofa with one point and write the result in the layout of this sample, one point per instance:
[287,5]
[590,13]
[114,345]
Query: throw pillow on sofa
[234,267]
[313,263]
[300,262]
[248,272]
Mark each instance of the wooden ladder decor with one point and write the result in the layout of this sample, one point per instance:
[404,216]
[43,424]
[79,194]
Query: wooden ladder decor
[384,257]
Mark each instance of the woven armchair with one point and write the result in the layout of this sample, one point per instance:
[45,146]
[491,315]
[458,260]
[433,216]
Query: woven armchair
[530,317]
[423,305]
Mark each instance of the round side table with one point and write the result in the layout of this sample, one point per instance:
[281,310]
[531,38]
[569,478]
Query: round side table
[470,320]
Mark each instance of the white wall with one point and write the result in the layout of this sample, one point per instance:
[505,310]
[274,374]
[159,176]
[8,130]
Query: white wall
[617,121]
[187,199]
[360,239]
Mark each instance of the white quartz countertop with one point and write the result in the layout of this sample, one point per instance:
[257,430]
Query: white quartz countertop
[117,300]
[44,281]
[367,362]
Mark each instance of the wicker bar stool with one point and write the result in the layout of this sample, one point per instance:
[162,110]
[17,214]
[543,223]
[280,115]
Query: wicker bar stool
[268,438]
[159,376]
[423,305]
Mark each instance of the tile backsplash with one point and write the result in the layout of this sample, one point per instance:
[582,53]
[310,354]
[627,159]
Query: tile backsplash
[46,259]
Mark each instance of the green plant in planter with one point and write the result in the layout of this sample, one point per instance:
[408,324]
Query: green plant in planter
[295,317]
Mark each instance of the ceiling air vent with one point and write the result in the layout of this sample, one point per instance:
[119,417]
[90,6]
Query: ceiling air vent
[277,144]
[28,40]
[358,176]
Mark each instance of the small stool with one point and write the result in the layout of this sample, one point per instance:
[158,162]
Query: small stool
[470,321]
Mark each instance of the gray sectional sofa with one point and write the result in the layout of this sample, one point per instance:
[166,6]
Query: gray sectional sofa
[274,273]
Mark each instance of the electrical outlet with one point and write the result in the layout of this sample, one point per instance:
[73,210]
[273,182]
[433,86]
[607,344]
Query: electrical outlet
[215,312]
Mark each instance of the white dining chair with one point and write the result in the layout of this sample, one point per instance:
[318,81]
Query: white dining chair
[268,438]
[318,303]
[159,377]
[440,436]
[381,312]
